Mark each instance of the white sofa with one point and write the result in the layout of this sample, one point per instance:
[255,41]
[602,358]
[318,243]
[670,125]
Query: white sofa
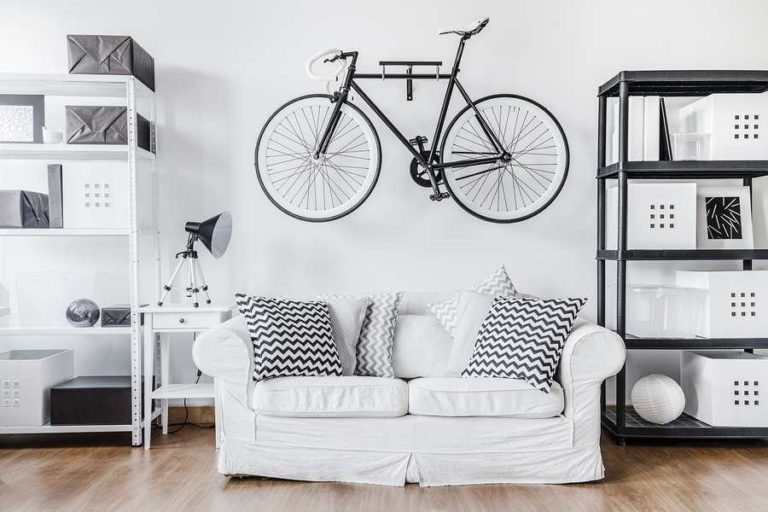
[431,430]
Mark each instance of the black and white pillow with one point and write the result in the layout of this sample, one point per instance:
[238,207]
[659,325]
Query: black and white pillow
[523,339]
[290,338]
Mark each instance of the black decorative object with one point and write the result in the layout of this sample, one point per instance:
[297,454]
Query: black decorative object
[503,158]
[22,117]
[215,234]
[622,422]
[116,316]
[55,198]
[723,218]
[110,55]
[92,401]
[83,313]
[23,209]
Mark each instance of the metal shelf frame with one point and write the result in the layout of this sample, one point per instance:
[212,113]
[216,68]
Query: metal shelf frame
[622,422]
[141,232]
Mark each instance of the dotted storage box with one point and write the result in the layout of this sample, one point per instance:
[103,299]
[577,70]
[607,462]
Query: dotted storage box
[735,123]
[734,306]
[26,377]
[659,216]
[725,389]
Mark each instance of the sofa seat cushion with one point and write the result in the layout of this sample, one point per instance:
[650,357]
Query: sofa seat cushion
[325,397]
[512,398]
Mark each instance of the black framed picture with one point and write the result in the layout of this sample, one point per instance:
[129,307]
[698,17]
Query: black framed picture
[22,117]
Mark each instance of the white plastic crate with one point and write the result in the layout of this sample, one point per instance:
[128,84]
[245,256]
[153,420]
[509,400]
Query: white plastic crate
[26,377]
[95,197]
[725,389]
[736,304]
[659,216]
[735,122]
[664,311]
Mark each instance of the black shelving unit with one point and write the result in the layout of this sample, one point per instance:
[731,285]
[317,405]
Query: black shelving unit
[622,422]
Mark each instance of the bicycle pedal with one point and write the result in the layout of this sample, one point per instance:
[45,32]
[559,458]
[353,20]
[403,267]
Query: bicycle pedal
[418,140]
[440,196]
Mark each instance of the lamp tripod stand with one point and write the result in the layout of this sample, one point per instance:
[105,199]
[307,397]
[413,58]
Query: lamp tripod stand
[196,284]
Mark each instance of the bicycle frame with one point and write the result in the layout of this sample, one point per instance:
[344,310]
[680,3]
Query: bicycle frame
[350,84]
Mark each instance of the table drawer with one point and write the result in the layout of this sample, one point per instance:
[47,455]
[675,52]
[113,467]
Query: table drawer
[189,319]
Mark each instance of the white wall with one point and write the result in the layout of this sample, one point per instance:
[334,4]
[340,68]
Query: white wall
[223,68]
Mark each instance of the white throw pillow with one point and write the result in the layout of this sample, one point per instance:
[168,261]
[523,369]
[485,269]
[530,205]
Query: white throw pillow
[471,310]
[347,315]
[421,347]
[495,284]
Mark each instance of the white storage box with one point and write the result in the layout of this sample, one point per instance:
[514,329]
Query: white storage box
[735,123]
[26,377]
[664,311]
[659,216]
[735,305]
[95,197]
[725,389]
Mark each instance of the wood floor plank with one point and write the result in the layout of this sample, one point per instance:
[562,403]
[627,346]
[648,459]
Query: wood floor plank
[101,473]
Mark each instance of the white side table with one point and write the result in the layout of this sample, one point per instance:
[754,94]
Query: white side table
[159,322]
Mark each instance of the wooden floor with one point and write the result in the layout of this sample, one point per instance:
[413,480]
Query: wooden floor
[103,474]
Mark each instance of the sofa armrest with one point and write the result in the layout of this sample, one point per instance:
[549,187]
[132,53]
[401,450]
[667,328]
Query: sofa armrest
[591,354]
[225,353]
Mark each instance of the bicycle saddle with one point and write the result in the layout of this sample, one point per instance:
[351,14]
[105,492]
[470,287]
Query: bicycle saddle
[468,31]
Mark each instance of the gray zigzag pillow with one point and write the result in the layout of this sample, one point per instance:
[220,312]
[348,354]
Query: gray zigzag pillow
[377,335]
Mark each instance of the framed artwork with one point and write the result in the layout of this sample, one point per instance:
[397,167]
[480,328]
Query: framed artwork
[724,218]
[22,117]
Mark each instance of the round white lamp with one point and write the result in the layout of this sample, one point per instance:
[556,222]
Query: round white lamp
[658,399]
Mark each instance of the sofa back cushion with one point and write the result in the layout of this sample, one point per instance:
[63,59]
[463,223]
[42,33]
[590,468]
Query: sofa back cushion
[421,347]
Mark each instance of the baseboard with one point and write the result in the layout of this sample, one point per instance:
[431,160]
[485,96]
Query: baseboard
[203,414]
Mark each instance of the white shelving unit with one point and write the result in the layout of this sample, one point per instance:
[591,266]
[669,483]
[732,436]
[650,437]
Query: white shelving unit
[141,231]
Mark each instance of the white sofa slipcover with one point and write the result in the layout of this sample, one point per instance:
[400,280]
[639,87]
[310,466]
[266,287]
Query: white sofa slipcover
[451,396]
[427,449]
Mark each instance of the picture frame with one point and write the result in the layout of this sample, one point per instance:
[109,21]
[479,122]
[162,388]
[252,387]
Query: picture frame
[22,117]
[724,218]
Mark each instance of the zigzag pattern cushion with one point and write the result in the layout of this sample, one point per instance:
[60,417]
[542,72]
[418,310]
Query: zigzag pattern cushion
[377,334]
[523,339]
[290,338]
[497,283]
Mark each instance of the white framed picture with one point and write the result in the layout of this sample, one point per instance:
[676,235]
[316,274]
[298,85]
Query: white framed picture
[724,218]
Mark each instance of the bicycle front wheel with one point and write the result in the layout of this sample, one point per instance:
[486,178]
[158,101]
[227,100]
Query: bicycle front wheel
[324,188]
[506,191]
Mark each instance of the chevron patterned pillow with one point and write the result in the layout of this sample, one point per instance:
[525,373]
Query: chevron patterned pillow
[290,338]
[495,284]
[523,339]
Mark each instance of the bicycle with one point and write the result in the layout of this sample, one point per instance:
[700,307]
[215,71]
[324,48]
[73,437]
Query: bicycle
[503,158]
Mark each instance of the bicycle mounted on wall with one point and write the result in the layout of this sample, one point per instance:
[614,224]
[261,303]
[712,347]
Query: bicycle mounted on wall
[503,158]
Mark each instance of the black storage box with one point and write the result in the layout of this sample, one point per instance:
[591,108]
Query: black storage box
[110,55]
[87,124]
[23,209]
[116,316]
[92,401]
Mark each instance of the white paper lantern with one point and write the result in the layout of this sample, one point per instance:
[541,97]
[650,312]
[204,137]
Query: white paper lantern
[658,399]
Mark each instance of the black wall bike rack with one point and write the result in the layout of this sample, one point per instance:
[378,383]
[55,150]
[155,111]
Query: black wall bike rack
[409,65]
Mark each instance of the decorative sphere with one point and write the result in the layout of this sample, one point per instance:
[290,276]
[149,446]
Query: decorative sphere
[658,399]
[83,313]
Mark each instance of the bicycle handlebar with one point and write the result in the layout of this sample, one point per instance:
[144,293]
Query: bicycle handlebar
[332,55]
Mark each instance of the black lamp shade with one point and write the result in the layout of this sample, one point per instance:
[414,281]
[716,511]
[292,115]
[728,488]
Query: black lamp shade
[215,233]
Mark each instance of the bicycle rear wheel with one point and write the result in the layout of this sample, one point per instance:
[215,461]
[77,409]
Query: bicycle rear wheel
[326,188]
[506,191]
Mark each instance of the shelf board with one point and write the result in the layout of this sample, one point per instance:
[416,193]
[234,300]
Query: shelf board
[70,152]
[65,429]
[688,169]
[692,254]
[687,82]
[15,330]
[642,343]
[171,391]
[684,427]
[63,232]
[103,86]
